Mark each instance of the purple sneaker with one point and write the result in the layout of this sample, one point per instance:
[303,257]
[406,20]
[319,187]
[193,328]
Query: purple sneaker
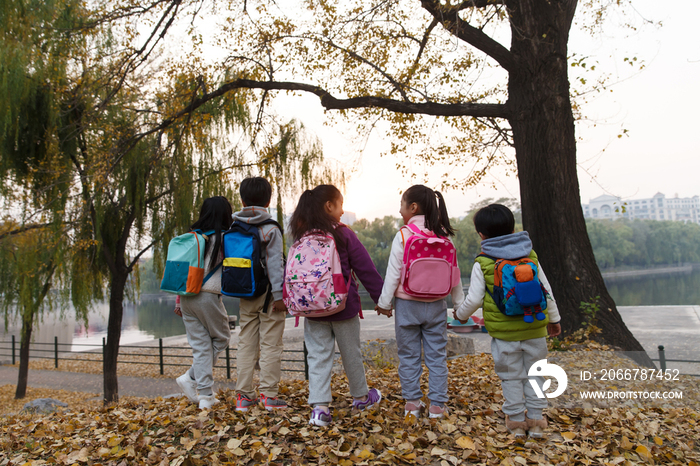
[319,417]
[373,397]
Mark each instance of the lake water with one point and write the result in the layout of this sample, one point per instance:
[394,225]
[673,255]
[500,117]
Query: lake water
[153,318]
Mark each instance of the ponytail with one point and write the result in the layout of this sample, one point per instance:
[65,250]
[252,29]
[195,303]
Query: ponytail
[310,213]
[432,205]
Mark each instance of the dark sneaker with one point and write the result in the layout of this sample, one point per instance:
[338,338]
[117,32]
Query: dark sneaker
[272,402]
[373,397]
[320,417]
[243,403]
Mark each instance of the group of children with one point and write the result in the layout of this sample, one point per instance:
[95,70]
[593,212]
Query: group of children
[420,322]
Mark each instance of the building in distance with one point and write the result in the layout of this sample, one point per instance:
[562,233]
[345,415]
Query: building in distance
[659,207]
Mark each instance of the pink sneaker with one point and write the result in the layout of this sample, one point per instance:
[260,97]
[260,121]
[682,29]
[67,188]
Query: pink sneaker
[414,407]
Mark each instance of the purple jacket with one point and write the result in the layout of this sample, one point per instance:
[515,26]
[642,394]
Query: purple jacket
[354,257]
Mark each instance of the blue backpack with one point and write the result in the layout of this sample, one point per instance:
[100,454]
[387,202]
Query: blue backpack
[243,274]
[517,290]
[184,265]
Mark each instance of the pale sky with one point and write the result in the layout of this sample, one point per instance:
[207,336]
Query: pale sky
[657,106]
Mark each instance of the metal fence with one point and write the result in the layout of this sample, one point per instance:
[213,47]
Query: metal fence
[52,351]
[663,360]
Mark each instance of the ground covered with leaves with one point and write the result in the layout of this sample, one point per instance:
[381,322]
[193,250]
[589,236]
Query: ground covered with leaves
[175,432]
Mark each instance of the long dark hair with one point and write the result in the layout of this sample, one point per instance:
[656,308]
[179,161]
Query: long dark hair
[310,213]
[432,205]
[215,214]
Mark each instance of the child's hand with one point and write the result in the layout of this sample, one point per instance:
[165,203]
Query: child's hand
[454,314]
[278,306]
[554,329]
[385,312]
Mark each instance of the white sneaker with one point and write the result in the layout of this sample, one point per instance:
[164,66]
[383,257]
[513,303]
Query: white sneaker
[207,401]
[188,387]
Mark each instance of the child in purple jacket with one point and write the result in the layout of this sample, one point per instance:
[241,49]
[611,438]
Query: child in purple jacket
[321,209]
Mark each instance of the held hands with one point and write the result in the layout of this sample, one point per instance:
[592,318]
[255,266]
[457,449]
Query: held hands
[278,306]
[384,312]
[454,314]
[553,329]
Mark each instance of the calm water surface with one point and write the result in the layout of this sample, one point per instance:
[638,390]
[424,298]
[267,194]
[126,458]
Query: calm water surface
[152,318]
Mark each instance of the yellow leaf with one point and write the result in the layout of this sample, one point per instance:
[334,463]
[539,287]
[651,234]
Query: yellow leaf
[465,443]
[643,452]
[364,454]
[568,435]
[262,431]
[626,444]
[658,441]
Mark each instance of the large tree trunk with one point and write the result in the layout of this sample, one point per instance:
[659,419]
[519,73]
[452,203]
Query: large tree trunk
[545,144]
[25,340]
[114,328]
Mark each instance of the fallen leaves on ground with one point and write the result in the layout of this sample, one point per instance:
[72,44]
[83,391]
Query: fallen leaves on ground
[175,432]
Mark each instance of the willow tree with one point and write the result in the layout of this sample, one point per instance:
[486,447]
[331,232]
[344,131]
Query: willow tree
[420,67]
[42,266]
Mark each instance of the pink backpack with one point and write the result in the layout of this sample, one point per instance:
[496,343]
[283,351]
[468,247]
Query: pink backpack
[429,265]
[313,279]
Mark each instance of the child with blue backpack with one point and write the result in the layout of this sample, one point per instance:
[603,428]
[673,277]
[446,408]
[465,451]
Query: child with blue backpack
[519,311]
[204,314]
[262,318]
[420,289]
[318,212]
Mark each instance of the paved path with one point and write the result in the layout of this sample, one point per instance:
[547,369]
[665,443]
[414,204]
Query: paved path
[675,327]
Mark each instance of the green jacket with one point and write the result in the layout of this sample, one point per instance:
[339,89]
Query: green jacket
[499,325]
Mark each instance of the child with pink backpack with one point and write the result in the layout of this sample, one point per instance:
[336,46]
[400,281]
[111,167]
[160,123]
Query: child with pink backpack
[421,273]
[318,286]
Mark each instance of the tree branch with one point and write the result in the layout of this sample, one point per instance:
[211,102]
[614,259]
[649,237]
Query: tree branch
[450,20]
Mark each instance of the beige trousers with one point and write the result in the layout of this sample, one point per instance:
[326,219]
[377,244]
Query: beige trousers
[261,332]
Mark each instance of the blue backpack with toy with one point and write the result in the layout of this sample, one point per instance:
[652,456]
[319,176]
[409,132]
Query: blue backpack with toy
[517,290]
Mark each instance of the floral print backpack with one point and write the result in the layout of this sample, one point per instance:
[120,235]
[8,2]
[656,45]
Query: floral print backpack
[313,280]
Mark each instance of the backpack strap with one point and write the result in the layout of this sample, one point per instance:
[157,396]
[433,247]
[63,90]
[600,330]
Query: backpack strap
[211,274]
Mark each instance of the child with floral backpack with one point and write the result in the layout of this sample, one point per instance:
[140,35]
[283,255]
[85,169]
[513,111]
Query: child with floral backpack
[316,220]
[422,271]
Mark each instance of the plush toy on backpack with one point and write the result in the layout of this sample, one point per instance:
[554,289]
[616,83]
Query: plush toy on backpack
[517,290]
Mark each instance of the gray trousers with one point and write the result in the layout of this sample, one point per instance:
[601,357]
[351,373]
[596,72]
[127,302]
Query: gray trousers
[423,326]
[513,360]
[320,338]
[208,334]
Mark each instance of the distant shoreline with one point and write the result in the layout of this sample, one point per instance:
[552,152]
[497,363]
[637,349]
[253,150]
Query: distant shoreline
[617,275]
[611,276]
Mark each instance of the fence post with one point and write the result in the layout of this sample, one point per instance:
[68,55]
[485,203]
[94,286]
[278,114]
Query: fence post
[160,353]
[662,358]
[228,363]
[306,362]
[55,352]
[13,350]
